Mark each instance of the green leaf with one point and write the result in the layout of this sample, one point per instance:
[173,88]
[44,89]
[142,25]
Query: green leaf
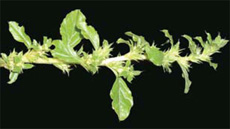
[70,34]
[154,55]
[2,62]
[214,65]
[19,33]
[120,40]
[64,52]
[209,37]
[200,40]
[47,43]
[219,41]
[87,31]
[28,66]
[141,42]
[186,77]
[192,46]
[17,69]
[132,74]
[18,58]
[171,56]
[166,32]
[4,57]
[135,37]
[13,77]
[122,99]
[64,67]
[47,40]
[71,37]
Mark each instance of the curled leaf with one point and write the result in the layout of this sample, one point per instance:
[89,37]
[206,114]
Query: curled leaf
[166,32]
[185,75]
[87,31]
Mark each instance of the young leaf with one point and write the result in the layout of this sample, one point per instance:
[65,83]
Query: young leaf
[4,57]
[19,33]
[86,30]
[192,46]
[122,98]
[120,40]
[209,37]
[184,65]
[214,65]
[219,41]
[186,77]
[2,62]
[64,67]
[13,77]
[28,66]
[200,40]
[47,43]
[166,32]
[140,40]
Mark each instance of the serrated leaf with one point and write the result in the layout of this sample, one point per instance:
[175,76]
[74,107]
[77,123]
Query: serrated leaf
[87,31]
[122,98]
[13,77]
[154,55]
[19,33]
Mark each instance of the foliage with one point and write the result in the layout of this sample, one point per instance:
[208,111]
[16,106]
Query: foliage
[74,28]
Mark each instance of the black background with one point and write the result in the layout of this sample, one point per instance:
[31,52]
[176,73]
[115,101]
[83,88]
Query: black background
[44,97]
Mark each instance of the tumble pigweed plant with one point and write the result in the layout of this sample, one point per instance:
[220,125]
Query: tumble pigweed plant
[74,28]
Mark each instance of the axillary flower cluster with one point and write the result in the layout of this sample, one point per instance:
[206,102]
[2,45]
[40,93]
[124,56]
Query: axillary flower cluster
[74,28]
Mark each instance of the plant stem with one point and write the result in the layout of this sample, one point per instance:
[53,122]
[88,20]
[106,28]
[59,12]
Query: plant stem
[46,61]
[113,59]
[56,61]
